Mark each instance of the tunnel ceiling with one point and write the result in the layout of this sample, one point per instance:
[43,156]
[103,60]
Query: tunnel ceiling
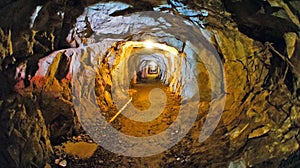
[52,53]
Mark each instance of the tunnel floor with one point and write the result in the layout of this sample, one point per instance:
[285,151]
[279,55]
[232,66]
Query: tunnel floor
[140,99]
[188,152]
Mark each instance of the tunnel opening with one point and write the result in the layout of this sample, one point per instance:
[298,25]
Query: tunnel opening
[147,72]
[145,78]
[175,63]
[136,70]
[144,73]
[144,65]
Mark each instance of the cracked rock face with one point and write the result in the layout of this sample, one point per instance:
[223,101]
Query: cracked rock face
[257,42]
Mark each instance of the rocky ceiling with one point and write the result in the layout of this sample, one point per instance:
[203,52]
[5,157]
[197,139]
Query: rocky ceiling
[52,53]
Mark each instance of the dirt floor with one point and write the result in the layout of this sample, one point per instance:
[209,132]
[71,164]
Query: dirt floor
[188,152]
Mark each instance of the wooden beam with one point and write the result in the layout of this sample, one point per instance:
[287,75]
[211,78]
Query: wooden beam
[120,111]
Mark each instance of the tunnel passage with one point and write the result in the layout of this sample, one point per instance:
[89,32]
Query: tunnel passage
[144,114]
[113,80]
[258,124]
[147,71]
[101,72]
[184,58]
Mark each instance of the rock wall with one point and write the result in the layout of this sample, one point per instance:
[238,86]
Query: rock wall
[25,137]
[261,59]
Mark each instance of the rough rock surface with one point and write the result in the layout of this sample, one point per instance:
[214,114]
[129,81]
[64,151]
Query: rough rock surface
[260,124]
[25,138]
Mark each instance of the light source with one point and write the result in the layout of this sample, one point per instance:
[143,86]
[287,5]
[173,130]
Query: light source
[149,44]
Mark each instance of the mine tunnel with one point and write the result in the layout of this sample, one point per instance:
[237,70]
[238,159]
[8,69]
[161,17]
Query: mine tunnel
[151,83]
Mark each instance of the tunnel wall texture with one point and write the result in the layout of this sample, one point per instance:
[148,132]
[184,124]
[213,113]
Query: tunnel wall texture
[259,47]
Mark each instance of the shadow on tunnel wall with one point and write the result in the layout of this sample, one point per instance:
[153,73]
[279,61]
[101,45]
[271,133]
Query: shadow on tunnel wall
[26,123]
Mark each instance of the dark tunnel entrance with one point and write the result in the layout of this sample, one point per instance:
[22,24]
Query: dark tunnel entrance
[147,72]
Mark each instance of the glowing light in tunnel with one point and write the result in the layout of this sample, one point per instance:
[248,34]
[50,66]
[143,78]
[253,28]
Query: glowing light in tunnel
[153,45]
[149,44]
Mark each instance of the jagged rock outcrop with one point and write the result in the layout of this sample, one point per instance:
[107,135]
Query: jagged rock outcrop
[24,136]
[261,120]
